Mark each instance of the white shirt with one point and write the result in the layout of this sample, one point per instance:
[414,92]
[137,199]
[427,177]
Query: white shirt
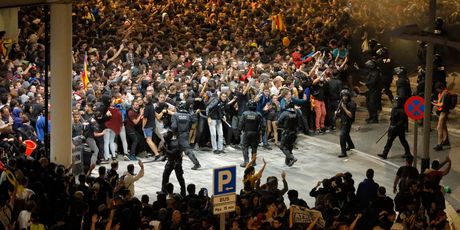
[23,219]
[274,90]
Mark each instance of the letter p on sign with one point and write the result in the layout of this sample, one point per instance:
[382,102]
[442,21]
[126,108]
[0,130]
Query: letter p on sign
[224,180]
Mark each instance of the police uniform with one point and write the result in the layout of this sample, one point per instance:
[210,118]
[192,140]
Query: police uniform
[250,124]
[374,95]
[174,153]
[386,65]
[398,121]
[181,123]
[403,89]
[439,71]
[374,46]
[333,87]
[345,140]
[288,122]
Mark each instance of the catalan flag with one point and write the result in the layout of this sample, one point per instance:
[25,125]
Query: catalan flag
[278,23]
[84,73]
[248,75]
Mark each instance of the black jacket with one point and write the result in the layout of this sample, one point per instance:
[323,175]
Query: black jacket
[216,109]
[403,88]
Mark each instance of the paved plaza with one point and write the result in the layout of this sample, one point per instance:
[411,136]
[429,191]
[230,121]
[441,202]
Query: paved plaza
[317,159]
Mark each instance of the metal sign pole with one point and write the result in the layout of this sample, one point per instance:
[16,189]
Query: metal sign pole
[428,86]
[415,142]
[222,221]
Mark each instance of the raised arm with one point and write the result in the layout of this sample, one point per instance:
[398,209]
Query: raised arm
[353,225]
[122,46]
[285,184]
[251,163]
[261,171]
[108,226]
[141,172]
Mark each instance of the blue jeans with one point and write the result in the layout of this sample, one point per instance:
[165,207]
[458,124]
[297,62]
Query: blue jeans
[93,146]
[109,143]
[215,128]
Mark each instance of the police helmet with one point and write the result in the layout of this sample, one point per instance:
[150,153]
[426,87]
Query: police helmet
[345,92]
[437,59]
[398,100]
[182,106]
[421,72]
[252,105]
[382,51]
[370,64]
[372,42]
[401,71]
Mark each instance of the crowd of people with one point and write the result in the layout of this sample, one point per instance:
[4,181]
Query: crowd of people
[380,17]
[38,194]
[197,68]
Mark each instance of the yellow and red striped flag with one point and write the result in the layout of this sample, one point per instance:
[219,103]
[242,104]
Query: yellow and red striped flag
[84,73]
[278,23]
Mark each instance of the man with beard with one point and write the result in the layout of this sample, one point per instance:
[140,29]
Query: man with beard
[216,114]
[148,125]
[135,116]
[163,113]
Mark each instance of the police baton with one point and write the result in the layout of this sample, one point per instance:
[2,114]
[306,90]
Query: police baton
[227,123]
[382,136]
[338,109]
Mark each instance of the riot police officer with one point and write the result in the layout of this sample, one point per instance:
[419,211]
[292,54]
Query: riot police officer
[181,123]
[333,88]
[398,121]
[403,89]
[250,124]
[420,90]
[439,72]
[386,65]
[374,94]
[288,122]
[374,46]
[346,112]
[174,152]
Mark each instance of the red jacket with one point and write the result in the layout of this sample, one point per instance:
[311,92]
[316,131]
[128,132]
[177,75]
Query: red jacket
[115,122]
[297,59]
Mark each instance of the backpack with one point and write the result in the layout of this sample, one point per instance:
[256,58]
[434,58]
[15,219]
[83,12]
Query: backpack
[451,101]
